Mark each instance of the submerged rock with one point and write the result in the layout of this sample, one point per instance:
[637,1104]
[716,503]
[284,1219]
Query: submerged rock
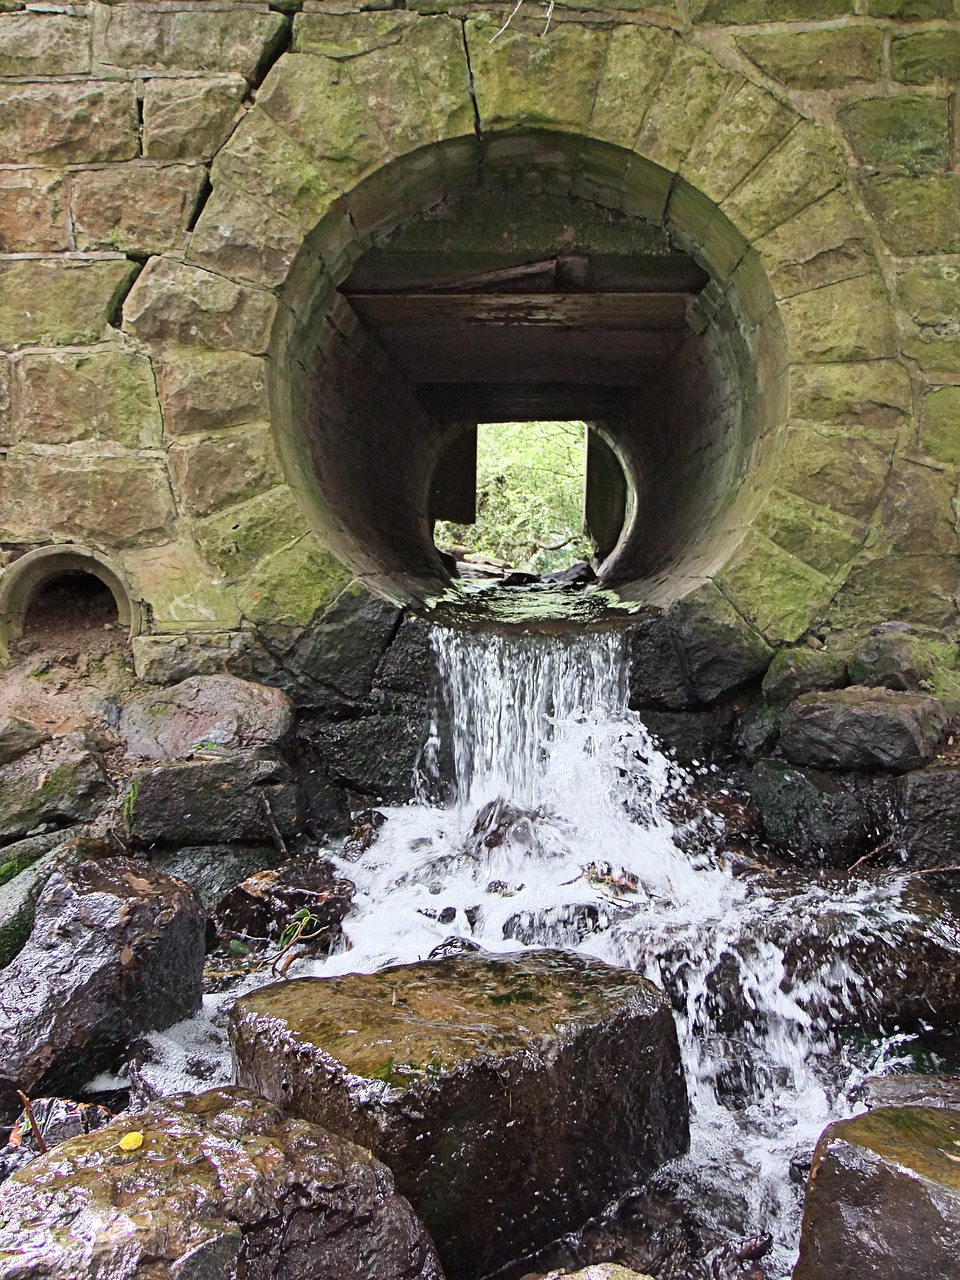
[512,1096]
[263,906]
[210,1187]
[204,712]
[116,949]
[861,728]
[883,1198]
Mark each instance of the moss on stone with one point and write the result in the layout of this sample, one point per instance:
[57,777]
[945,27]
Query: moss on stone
[752,123]
[290,586]
[905,133]
[821,245]
[931,293]
[778,593]
[874,393]
[940,425]
[686,99]
[805,166]
[917,215]
[827,59]
[924,57]
[813,533]
[844,469]
[53,303]
[236,540]
[848,321]
[637,58]
[924,1140]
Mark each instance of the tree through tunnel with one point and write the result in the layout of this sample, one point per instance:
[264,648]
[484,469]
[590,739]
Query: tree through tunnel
[499,305]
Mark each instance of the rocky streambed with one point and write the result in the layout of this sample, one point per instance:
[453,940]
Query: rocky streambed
[608,1007]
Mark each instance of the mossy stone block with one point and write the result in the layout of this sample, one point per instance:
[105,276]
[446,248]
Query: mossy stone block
[241,40]
[205,390]
[934,355]
[77,122]
[873,393]
[236,540]
[184,590]
[218,472]
[823,244]
[794,672]
[292,585]
[637,58]
[828,59]
[813,533]
[911,10]
[931,293]
[44,44]
[188,118]
[101,394]
[940,425]
[906,134]
[348,35]
[752,123]
[805,166]
[915,515]
[919,589]
[51,303]
[842,468]
[778,593]
[687,97]
[244,239]
[134,209]
[925,57]
[917,215]
[746,11]
[173,302]
[848,321]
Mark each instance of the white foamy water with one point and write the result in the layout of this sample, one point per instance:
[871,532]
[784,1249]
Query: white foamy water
[560,835]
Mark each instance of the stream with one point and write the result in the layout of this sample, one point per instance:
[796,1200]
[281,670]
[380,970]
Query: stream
[568,828]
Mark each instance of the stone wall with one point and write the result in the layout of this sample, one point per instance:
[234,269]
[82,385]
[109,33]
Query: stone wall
[184,185]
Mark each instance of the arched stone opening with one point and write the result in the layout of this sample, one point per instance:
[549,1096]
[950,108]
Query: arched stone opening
[504,285]
[67,585]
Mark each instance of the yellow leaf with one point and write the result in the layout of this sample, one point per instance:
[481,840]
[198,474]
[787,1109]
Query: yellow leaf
[131,1141]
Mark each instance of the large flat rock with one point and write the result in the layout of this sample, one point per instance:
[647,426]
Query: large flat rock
[883,1198]
[512,1096]
[209,1188]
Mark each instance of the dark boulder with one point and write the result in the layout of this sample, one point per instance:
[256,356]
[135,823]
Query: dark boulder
[265,905]
[893,660]
[860,728]
[211,869]
[692,738]
[512,1096]
[203,712]
[17,738]
[721,650]
[827,819]
[116,949]
[63,782]
[883,1198]
[18,897]
[241,797]
[342,647]
[794,672]
[373,756]
[659,678]
[927,817]
[210,1187]
[409,665]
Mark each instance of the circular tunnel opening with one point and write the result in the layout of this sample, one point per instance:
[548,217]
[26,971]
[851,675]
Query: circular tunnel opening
[496,304]
[70,602]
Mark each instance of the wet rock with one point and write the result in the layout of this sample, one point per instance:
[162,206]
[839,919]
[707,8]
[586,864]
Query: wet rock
[794,672]
[893,660]
[512,1096]
[243,797]
[116,949]
[927,817]
[828,819]
[692,737]
[860,728]
[502,822]
[203,712]
[883,1198]
[365,825]
[17,738]
[911,1091]
[264,906]
[374,755]
[342,647]
[18,897]
[557,926]
[519,578]
[57,1120]
[409,664]
[208,1187]
[659,677]
[63,782]
[721,650]
[210,870]
[599,1271]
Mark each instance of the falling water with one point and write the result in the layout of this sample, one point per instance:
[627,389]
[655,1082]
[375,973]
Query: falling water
[568,828]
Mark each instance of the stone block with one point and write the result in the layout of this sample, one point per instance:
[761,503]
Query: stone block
[205,713]
[75,123]
[185,591]
[686,99]
[844,469]
[8,432]
[53,303]
[261,160]
[244,239]
[113,500]
[103,394]
[813,533]
[860,728]
[349,35]
[940,424]
[237,540]
[217,1175]
[916,215]
[312,100]
[44,44]
[172,302]
[233,40]
[925,57]
[884,1197]
[746,11]
[805,166]
[903,134]
[852,320]
[169,659]
[895,660]
[915,515]
[214,473]
[134,209]
[927,816]
[797,671]
[33,211]
[189,119]
[235,798]
[778,593]
[874,393]
[636,60]
[203,390]
[288,587]
[61,783]
[911,10]
[719,649]
[525,81]
[501,1051]
[823,244]
[342,648]
[931,293]
[828,59]
[752,123]
[921,589]
[38,858]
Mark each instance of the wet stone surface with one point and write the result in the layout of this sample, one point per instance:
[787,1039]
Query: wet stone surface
[209,1187]
[204,712]
[512,1096]
[883,1198]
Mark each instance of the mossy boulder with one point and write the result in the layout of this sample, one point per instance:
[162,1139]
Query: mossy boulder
[512,1096]
[63,782]
[210,1186]
[861,728]
[816,817]
[204,713]
[797,671]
